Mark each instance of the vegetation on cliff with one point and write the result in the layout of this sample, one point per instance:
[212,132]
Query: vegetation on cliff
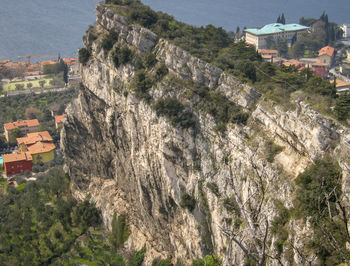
[318,200]
[214,45]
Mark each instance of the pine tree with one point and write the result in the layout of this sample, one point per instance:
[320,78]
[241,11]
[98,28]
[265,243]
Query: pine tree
[283,19]
[342,107]
[278,19]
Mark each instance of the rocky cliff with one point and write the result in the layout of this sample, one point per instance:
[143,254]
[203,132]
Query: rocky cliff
[130,160]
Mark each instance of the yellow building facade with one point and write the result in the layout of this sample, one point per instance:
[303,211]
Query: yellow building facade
[44,157]
[39,145]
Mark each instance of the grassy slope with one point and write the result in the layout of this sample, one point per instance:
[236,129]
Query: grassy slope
[12,85]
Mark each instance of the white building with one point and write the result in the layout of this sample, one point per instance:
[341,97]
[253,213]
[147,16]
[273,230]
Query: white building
[346,30]
[275,31]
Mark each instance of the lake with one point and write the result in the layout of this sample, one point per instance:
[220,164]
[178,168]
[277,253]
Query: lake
[250,13]
[49,27]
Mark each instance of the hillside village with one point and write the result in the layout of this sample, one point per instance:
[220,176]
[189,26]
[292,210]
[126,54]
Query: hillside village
[21,78]
[327,62]
[28,145]
[35,148]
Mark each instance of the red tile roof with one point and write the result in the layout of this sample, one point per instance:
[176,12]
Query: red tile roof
[70,61]
[41,147]
[35,137]
[16,157]
[327,50]
[267,51]
[341,83]
[59,118]
[319,64]
[23,123]
[48,62]
[294,63]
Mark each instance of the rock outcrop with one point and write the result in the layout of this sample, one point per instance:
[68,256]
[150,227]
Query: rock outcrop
[131,161]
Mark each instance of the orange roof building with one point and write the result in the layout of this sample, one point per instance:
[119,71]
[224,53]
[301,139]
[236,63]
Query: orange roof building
[268,54]
[70,61]
[341,86]
[17,163]
[293,62]
[59,120]
[21,124]
[39,145]
[17,156]
[25,126]
[33,138]
[327,50]
[48,62]
[326,55]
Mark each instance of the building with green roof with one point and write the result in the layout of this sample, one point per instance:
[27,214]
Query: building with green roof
[274,31]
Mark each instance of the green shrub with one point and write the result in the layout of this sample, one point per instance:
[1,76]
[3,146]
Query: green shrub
[121,56]
[319,179]
[318,190]
[231,205]
[161,72]
[209,260]
[160,262]
[278,226]
[144,16]
[175,111]
[120,231]
[138,257]
[150,60]
[115,2]
[272,150]
[188,202]
[83,55]
[214,188]
[109,40]
[342,107]
[141,84]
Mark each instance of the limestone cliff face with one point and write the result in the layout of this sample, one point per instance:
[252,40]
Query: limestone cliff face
[129,160]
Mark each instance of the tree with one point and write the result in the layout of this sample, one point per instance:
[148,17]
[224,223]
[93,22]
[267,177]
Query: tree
[238,33]
[238,30]
[19,86]
[318,197]
[65,74]
[83,55]
[342,107]
[29,85]
[283,19]
[42,83]
[17,133]
[282,47]
[278,19]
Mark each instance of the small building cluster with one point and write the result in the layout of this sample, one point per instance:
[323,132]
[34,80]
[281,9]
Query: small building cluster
[263,38]
[34,148]
[319,65]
